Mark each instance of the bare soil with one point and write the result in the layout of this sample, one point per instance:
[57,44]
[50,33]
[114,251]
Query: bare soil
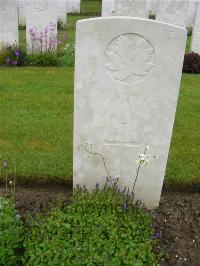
[176,221]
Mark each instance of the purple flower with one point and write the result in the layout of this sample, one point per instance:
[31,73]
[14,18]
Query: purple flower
[158,235]
[14,63]
[7,60]
[17,53]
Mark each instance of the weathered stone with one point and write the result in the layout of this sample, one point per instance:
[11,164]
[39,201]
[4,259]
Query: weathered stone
[62,13]
[21,12]
[173,11]
[195,47]
[127,79]
[134,8]
[108,8]
[8,22]
[73,6]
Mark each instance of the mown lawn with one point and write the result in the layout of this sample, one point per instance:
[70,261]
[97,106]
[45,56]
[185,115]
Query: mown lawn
[36,119]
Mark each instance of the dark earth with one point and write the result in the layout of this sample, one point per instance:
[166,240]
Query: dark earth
[176,221]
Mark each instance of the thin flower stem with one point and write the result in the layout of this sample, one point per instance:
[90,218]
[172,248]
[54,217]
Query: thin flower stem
[137,174]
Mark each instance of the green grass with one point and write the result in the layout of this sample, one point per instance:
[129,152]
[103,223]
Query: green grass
[36,125]
[91,6]
[36,121]
[184,157]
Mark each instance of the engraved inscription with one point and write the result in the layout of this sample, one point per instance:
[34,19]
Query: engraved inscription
[120,143]
[41,5]
[129,58]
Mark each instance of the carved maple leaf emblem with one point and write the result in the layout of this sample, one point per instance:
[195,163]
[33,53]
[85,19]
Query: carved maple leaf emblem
[129,58]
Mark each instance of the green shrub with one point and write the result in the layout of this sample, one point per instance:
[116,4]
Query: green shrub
[12,56]
[68,57]
[10,234]
[43,59]
[102,228]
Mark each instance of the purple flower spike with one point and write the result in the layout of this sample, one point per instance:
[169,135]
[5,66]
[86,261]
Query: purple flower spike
[158,235]
[14,63]
[17,53]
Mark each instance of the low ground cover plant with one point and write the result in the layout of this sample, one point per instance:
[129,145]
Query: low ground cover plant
[101,228]
[10,233]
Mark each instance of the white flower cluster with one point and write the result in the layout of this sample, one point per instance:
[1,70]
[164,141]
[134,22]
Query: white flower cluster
[144,159]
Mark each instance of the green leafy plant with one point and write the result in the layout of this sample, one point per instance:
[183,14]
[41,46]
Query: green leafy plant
[68,56]
[43,59]
[12,56]
[104,227]
[10,233]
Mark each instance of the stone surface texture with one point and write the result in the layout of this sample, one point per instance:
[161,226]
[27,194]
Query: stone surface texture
[135,8]
[8,22]
[191,12]
[21,12]
[73,6]
[108,7]
[41,18]
[127,79]
[62,13]
[195,47]
[173,11]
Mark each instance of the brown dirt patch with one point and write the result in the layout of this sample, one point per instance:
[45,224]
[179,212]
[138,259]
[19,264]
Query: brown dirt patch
[177,219]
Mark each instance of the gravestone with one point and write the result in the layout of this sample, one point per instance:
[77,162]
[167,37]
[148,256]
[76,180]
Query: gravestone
[8,22]
[62,13]
[21,12]
[135,8]
[108,8]
[152,6]
[195,47]
[73,6]
[127,78]
[191,13]
[173,11]
[41,26]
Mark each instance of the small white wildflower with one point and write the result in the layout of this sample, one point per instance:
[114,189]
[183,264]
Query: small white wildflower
[10,182]
[144,159]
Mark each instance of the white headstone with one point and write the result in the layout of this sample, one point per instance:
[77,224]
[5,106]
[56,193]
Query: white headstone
[135,8]
[191,13]
[127,79]
[41,25]
[152,6]
[173,11]
[8,22]
[73,6]
[21,12]
[108,7]
[195,47]
[62,13]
